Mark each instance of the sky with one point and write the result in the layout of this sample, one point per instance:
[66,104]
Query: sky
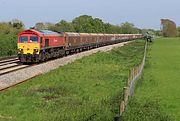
[142,13]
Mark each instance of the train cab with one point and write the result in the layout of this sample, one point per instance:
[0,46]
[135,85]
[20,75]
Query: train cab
[34,45]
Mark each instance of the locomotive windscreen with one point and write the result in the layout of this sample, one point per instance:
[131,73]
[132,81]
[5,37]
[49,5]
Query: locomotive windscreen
[23,39]
[33,39]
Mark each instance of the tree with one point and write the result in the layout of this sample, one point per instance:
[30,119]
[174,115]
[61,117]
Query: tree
[98,26]
[168,28]
[112,29]
[6,28]
[40,26]
[49,25]
[17,24]
[11,27]
[8,32]
[129,28]
[63,26]
[83,23]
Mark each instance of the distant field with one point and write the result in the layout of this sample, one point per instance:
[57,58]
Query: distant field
[88,89]
[157,96]
[8,44]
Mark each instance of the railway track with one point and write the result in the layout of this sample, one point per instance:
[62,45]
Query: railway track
[8,61]
[9,57]
[10,64]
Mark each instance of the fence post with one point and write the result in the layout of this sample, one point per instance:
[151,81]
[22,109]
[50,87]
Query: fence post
[122,108]
[129,79]
[126,94]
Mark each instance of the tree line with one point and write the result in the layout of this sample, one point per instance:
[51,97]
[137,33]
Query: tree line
[88,24]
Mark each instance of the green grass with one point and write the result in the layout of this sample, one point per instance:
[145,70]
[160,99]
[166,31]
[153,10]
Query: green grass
[157,96]
[8,44]
[88,89]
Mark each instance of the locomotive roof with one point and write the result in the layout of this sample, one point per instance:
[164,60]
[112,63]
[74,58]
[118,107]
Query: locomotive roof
[39,32]
[48,32]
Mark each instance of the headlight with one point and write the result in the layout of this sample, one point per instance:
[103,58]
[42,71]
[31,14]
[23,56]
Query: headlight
[20,51]
[36,51]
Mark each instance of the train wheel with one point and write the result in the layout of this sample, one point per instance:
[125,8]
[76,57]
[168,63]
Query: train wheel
[77,50]
[42,57]
[47,56]
[62,52]
[67,52]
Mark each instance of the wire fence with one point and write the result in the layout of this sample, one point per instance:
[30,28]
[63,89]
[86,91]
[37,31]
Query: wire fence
[128,91]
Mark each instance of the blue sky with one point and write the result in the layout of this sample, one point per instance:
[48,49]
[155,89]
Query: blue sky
[143,13]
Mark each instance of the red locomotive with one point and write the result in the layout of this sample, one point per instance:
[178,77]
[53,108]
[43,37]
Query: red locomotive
[41,45]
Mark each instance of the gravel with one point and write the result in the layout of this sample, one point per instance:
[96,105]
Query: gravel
[19,76]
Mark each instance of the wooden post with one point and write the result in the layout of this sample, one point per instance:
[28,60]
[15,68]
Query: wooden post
[129,78]
[122,108]
[126,95]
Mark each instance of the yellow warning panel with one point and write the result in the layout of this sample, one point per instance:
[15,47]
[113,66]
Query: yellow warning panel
[28,48]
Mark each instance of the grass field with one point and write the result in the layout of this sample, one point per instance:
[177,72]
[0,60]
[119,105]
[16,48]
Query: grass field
[157,96]
[88,89]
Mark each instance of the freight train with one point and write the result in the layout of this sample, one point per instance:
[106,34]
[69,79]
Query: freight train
[41,45]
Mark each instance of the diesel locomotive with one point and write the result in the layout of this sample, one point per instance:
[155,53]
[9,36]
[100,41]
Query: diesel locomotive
[41,45]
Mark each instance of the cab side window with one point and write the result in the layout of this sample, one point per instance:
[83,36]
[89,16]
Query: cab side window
[41,40]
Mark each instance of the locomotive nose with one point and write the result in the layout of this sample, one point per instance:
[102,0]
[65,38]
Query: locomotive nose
[28,48]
